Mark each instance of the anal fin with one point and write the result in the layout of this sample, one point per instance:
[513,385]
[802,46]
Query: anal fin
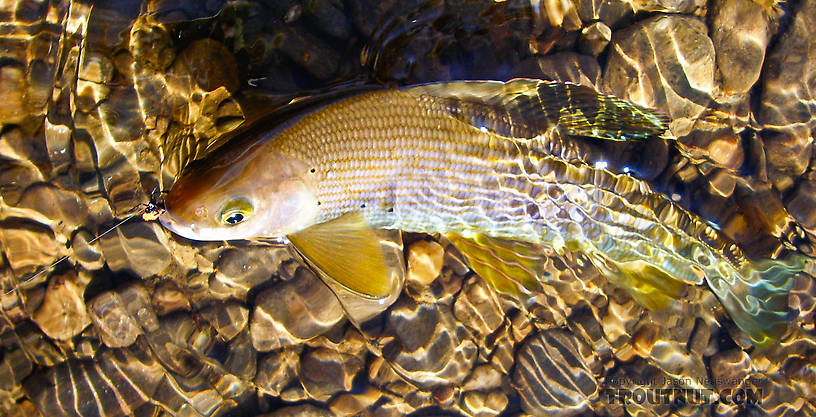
[648,285]
[516,268]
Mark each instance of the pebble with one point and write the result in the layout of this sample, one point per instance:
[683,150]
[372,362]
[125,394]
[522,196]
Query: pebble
[786,86]
[277,370]
[645,54]
[740,32]
[729,368]
[553,378]
[424,261]
[229,319]
[115,325]
[595,38]
[293,311]
[324,373]
[209,65]
[62,314]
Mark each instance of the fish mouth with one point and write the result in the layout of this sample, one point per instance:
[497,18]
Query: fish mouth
[188,230]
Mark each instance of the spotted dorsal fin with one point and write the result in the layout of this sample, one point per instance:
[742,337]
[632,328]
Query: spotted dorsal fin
[524,108]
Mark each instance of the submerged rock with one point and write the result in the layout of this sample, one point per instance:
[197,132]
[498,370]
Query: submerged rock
[553,377]
[116,327]
[667,63]
[424,261]
[740,30]
[293,311]
[594,38]
[101,104]
[62,314]
[787,86]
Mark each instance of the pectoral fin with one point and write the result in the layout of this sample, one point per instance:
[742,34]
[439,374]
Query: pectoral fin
[350,252]
[511,267]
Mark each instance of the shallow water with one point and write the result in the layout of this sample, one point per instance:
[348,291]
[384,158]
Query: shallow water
[103,103]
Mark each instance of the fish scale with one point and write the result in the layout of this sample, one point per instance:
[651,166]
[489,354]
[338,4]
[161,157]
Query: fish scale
[442,158]
[477,184]
[421,174]
[472,188]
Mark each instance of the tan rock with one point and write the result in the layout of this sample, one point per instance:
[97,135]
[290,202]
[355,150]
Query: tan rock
[136,247]
[802,202]
[594,38]
[277,370]
[729,368]
[355,403]
[27,246]
[424,261]
[12,90]
[787,86]
[167,298]
[485,404]
[116,327]
[209,65]
[323,372]
[305,410]
[483,377]
[551,376]
[427,346]
[62,315]
[740,32]
[293,311]
[666,63]
[228,319]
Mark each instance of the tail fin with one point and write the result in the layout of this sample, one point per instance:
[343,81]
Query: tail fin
[758,300]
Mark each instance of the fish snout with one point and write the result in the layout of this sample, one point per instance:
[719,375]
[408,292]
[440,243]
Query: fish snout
[188,230]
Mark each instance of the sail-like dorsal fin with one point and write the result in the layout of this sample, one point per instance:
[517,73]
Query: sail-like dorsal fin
[524,108]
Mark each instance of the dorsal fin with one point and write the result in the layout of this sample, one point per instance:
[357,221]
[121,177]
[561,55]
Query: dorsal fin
[524,108]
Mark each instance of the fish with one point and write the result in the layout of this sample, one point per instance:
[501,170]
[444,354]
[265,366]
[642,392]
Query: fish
[468,160]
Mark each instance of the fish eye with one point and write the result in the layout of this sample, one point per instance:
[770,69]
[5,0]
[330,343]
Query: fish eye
[234,218]
[235,211]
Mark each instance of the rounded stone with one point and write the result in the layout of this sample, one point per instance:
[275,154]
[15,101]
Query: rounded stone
[551,376]
[293,311]
[62,314]
[740,32]
[595,38]
[666,63]
[425,261]
[209,65]
[116,327]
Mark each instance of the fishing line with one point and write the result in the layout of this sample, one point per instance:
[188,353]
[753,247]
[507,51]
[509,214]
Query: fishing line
[149,212]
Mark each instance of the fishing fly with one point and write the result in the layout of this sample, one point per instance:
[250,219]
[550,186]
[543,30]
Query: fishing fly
[149,212]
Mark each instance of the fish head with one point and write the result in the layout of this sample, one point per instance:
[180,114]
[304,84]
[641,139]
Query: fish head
[243,196]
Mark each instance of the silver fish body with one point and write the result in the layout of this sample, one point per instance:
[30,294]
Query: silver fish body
[467,160]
